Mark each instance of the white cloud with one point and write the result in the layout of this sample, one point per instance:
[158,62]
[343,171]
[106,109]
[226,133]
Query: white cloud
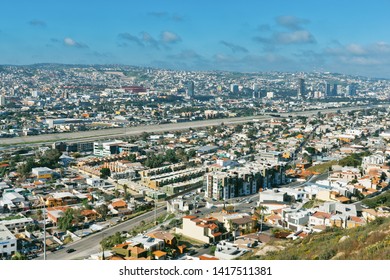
[72,43]
[355,49]
[170,37]
[296,37]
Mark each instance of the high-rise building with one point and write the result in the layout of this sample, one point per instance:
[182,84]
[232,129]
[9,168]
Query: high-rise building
[334,90]
[190,88]
[2,100]
[327,89]
[301,88]
[65,95]
[234,88]
[256,91]
[350,90]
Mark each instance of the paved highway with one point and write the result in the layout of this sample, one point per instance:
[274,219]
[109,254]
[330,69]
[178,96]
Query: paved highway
[91,244]
[129,131]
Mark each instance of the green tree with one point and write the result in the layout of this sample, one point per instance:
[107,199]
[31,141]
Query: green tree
[18,256]
[132,158]
[238,128]
[102,211]
[251,133]
[111,241]
[170,156]
[310,150]
[191,153]
[145,136]
[66,222]
[25,169]
[86,205]
[105,173]
[50,158]
[383,176]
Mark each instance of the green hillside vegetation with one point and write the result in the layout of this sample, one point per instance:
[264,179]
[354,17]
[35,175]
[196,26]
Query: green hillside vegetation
[351,160]
[323,167]
[380,200]
[369,242]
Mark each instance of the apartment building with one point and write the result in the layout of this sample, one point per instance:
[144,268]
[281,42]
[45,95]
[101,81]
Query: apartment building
[203,229]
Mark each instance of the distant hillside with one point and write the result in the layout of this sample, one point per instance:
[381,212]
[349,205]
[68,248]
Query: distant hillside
[370,242]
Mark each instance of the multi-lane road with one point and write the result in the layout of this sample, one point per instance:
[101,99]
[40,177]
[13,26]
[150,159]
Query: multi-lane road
[91,244]
[130,131]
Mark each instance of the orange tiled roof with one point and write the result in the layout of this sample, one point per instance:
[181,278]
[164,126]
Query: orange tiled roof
[342,199]
[213,226]
[115,258]
[122,245]
[87,212]
[119,203]
[303,234]
[58,208]
[137,250]
[189,217]
[322,215]
[357,219]
[207,258]
[274,217]
[159,253]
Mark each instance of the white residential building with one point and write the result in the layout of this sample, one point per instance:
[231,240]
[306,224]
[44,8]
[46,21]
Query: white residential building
[42,172]
[148,243]
[7,242]
[228,251]
[17,224]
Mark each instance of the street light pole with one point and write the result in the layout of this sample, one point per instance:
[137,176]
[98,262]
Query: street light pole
[103,247]
[155,213]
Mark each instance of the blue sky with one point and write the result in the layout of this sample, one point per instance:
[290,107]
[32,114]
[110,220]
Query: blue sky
[250,35]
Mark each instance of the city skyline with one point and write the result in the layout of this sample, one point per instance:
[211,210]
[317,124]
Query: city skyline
[279,36]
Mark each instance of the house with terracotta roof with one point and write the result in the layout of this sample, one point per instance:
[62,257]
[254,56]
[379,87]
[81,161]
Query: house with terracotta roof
[203,229]
[206,257]
[320,219]
[89,215]
[159,255]
[169,239]
[127,250]
[119,206]
[354,221]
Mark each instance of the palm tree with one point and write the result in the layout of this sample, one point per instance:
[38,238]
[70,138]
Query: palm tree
[260,215]
[39,214]
[18,256]
[233,229]
[125,188]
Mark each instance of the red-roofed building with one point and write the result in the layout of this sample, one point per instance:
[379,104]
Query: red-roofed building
[354,221]
[320,219]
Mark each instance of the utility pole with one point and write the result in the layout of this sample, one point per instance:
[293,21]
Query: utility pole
[44,231]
